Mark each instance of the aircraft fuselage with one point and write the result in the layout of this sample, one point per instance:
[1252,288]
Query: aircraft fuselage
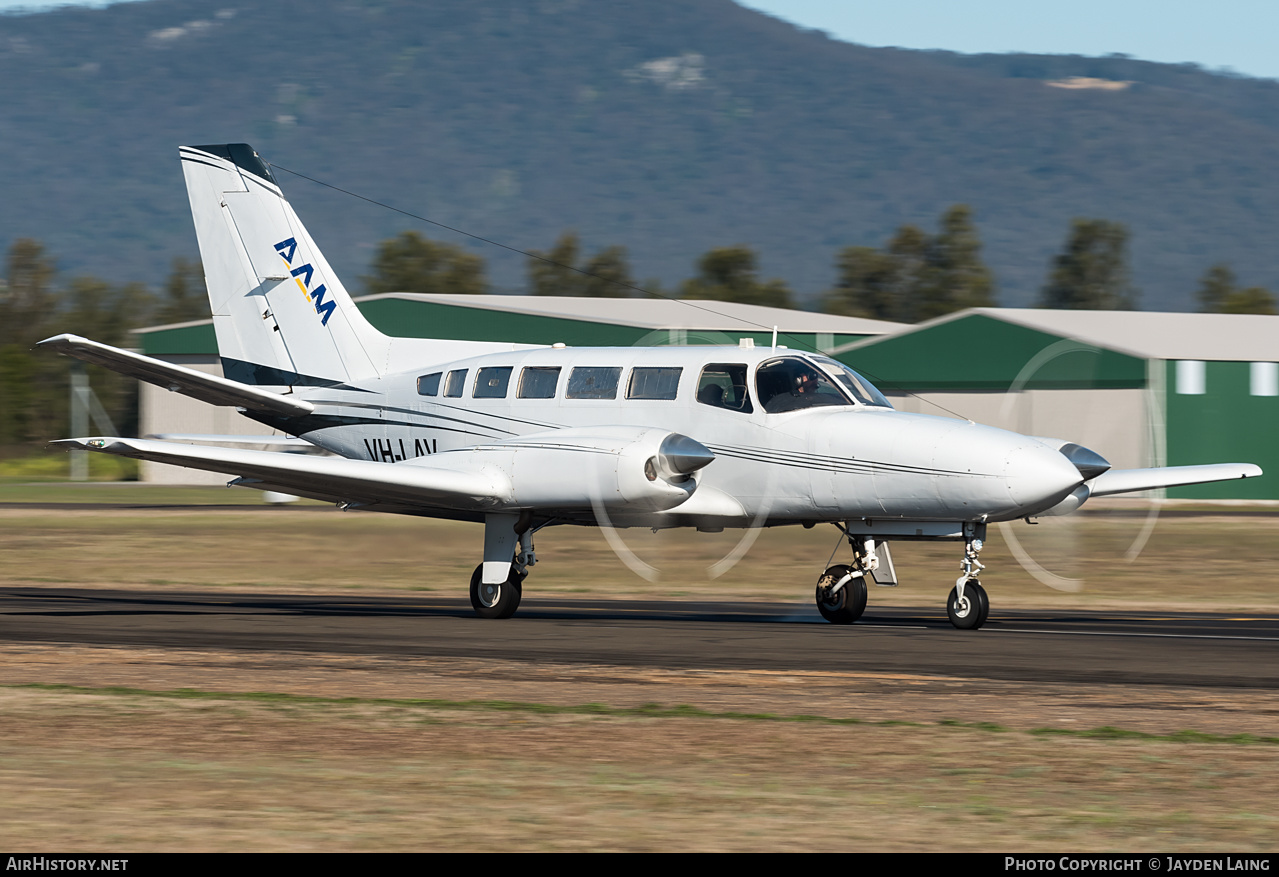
[838,460]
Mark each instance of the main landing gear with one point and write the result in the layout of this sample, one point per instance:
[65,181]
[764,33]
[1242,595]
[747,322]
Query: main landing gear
[841,598]
[841,590]
[497,583]
[496,600]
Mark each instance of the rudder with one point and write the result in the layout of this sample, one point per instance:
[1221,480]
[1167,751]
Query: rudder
[281,315]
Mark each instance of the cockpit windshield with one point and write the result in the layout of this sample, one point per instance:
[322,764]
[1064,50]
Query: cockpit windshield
[857,386]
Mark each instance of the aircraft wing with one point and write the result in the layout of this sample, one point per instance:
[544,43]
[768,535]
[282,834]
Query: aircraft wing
[1129,480]
[189,382]
[356,483]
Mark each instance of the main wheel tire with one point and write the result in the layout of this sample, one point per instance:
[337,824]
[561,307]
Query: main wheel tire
[971,612]
[495,601]
[848,603]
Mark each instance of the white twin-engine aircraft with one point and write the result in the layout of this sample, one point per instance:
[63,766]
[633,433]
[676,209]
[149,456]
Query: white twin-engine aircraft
[520,436]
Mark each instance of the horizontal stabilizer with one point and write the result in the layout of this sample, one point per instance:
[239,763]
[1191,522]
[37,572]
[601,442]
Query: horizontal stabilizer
[1129,480]
[356,482]
[188,382]
[285,443]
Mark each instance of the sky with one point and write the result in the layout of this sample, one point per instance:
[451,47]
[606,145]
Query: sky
[1238,35]
[1234,34]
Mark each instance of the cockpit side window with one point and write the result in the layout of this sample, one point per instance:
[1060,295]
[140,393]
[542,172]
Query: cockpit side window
[792,385]
[723,385]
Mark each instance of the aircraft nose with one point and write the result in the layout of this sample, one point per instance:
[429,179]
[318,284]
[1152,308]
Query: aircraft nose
[1039,476]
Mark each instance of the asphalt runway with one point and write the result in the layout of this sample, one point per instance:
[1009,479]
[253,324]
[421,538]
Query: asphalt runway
[1205,650]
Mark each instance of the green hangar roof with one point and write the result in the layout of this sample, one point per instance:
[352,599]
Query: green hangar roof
[574,321]
[997,348]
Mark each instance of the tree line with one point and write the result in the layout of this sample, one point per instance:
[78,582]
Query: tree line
[36,303]
[917,275]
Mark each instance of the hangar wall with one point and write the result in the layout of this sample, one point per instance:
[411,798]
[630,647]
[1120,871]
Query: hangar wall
[1230,413]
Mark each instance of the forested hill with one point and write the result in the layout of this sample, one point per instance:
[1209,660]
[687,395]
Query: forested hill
[666,126]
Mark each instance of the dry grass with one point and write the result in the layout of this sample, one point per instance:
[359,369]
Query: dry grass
[1210,562]
[132,772]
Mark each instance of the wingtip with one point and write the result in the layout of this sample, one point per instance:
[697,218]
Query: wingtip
[61,340]
[91,443]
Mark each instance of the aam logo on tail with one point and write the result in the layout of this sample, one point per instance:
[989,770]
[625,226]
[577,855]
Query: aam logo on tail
[302,274]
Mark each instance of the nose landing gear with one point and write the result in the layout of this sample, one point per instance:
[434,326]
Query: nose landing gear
[841,589]
[969,611]
[967,606]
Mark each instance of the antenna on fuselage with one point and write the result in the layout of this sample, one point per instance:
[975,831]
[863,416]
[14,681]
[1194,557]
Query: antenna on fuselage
[774,339]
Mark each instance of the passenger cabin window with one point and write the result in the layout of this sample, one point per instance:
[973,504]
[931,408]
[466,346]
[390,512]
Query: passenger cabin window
[455,383]
[539,382]
[429,385]
[793,384]
[593,382]
[491,383]
[653,383]
[723,385]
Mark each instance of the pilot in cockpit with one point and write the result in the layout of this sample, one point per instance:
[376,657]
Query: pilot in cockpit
[791,385]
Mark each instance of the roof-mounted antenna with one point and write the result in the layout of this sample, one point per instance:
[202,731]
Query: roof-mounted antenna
[774,339]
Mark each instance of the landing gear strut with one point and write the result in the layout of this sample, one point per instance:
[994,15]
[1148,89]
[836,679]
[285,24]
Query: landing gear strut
[497,583]
[967,606]
[841,590]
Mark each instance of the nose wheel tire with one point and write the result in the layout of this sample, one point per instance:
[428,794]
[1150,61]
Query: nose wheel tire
[969,613]
[495,601]
[845,605]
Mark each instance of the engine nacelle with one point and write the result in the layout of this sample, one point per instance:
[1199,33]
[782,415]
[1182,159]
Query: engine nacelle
[1069,504]
[637,468]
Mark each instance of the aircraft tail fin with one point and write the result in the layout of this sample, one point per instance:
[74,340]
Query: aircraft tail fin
[282,317]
